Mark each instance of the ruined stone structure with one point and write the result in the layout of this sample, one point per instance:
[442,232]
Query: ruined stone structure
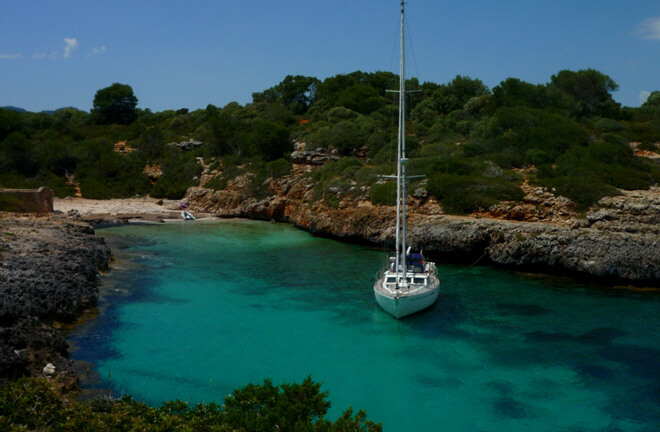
[26,200]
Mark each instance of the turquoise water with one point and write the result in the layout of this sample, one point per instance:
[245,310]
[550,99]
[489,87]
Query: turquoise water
[198,309]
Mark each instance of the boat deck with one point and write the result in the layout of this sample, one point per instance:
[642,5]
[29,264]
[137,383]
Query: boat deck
[412,289]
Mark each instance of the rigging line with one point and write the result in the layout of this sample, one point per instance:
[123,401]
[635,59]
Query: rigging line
[389,192]
[395,45]
[466,268]
[412,49]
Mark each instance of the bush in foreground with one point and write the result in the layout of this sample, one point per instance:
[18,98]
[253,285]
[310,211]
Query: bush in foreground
[33,404]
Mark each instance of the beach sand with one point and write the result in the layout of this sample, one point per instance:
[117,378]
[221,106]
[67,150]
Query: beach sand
[125,208]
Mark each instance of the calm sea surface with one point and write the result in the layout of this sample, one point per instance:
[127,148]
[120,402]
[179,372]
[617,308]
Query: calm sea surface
[195,310]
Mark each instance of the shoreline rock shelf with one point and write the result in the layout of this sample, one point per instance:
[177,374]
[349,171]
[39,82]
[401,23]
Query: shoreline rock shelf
[48,274]
[618,242]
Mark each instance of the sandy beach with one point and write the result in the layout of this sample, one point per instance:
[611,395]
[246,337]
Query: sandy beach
[125,208]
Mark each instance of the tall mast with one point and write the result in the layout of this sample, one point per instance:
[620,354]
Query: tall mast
[401,166]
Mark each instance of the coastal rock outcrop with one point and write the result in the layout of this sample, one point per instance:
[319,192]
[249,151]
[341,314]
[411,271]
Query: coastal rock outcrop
[48,274]
[550,248]
[616,242]
[186,145]
[632,212]
[312,157]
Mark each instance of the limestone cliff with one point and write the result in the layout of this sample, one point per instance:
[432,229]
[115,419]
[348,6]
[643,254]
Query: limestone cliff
[618,241]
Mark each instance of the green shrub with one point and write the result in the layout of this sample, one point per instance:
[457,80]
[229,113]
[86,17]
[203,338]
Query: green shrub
[219,182]
[584,190]
[271,140]
[519,129]
[617,140]
[644,131]
[587,174]
[383,194]
[337,114]
[177,177]
[626,177]
[336,180]
[278,168]
[365,176]
[608,125]
[333,190]
[461,194]
[649,146]
[474,148]
[260,171]
[386,154]
[342,167]
[10,203]
[112,176]
[538,157]
[215,165]
[32,404]
[55,183]
[440,133]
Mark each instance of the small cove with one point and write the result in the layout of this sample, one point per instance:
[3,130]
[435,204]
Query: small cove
[195,310]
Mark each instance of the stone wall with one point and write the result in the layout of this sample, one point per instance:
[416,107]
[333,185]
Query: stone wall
[27,200]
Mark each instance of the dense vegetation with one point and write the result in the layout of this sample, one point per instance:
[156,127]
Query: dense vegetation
[33,404]
[475,145]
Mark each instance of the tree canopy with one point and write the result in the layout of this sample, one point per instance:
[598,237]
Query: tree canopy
[471,142]
[590,90]
[115,104]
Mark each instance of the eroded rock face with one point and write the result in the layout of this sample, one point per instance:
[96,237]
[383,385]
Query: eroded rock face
[312,157]
[547,247]
[633,211]
[618,241]
[186,145]
[48,273]
[538,205]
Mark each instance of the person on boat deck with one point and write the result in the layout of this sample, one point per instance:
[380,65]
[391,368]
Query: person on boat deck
[414,262]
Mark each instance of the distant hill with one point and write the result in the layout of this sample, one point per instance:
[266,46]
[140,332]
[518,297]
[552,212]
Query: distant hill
[62,108]
[13,108]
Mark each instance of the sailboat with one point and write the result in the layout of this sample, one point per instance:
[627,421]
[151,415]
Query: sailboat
[409,283]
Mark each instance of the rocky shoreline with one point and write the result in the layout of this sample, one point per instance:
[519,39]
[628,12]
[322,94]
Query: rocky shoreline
[48,275]
[49,264]
[616,242]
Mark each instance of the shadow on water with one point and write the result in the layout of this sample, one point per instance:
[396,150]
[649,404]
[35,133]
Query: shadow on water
[440,320]
[596,337]
[512,409]
[531,310]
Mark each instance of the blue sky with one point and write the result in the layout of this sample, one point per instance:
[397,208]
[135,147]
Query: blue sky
[188,54]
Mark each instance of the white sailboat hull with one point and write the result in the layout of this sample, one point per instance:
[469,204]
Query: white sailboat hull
[401,303]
